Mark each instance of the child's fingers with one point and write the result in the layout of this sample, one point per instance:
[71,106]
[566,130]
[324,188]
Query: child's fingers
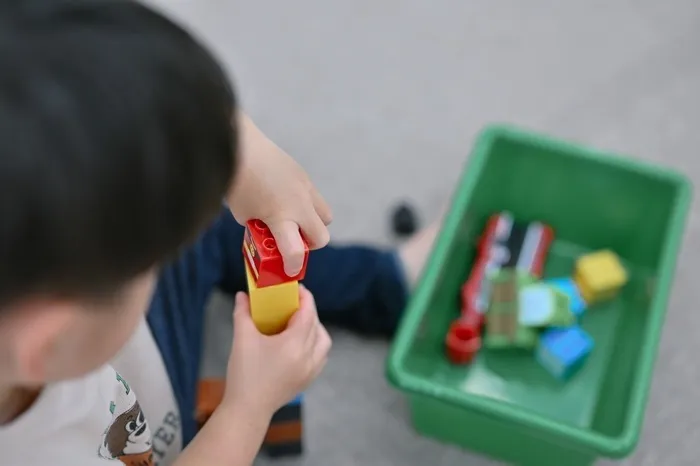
[242,319]
[290,244]
[241,304]
[307,302]
[322,208]
[302,323]
[321,349]
[319,368]
[315,230]
[326,342]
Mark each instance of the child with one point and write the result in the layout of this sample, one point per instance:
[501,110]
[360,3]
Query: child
[116,151]
[357,287]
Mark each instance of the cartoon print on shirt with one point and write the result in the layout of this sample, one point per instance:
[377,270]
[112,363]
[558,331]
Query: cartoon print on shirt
[128,437]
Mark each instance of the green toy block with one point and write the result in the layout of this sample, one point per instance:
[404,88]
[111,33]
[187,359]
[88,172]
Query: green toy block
[503,327]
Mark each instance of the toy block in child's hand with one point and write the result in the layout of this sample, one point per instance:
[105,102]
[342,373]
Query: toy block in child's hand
[272,307]
[263,257]
[274,296]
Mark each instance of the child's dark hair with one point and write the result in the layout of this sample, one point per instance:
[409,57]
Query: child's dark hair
[117,144]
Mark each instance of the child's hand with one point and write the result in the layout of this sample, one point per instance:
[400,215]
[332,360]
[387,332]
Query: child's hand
[266,372]
[272,187]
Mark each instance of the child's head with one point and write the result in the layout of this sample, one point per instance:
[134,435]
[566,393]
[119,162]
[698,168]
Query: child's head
[116,148]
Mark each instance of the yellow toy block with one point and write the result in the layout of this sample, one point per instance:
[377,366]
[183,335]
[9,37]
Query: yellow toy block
[599,276]
[272,306]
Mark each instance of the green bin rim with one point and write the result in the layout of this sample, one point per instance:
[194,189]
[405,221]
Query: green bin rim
[618,446]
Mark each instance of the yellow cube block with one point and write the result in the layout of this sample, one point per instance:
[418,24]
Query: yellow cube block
[599,276]
[272,306]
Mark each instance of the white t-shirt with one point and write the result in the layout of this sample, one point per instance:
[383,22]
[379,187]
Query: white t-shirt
[98,419]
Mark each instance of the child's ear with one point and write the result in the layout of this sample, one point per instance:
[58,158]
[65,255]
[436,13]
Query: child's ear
[34,333]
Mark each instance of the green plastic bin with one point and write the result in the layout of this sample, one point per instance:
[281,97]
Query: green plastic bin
[504,404]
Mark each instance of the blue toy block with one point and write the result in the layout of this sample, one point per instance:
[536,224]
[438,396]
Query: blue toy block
[568,286]
[562,351]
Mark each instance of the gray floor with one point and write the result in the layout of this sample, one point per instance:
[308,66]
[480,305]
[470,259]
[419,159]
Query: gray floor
[381,100]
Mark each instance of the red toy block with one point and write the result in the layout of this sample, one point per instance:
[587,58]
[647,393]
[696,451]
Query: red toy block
[463,340]
[265,260]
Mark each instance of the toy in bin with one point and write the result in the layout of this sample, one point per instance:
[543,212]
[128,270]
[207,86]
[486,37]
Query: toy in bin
[526,313]
[599,276]
[543,305]
[551,415]
[505,243]
[504,328]
[562,351]
[520,306]
[464,338]
[568,286]
[506,304]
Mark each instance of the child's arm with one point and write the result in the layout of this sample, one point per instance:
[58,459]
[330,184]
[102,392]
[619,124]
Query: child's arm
[230,437]
[272,187]
[264,373]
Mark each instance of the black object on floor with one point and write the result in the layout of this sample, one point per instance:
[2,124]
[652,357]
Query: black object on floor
[404,221]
